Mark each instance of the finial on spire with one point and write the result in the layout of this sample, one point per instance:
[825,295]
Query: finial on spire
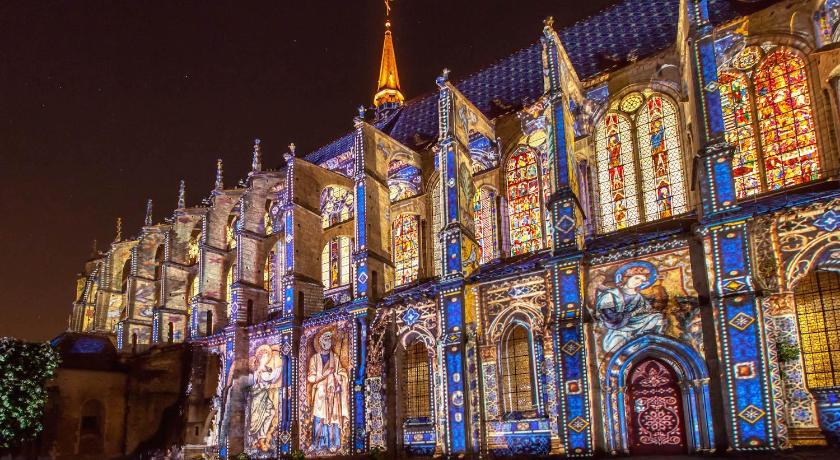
[219,181]
[388,94]
[549,22]
[148,220]
[118,236]
[94,249]
[290,154]
[182,195]
[443,78]
[256,161]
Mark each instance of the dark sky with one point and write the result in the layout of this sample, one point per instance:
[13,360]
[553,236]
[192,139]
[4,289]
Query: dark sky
[104,104]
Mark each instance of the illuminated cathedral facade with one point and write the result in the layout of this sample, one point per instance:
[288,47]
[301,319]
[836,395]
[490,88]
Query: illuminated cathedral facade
[622,239]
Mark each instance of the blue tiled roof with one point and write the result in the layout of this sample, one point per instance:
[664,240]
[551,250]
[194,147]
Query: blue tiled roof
[629,29]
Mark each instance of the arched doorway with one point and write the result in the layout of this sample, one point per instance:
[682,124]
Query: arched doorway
[655,419]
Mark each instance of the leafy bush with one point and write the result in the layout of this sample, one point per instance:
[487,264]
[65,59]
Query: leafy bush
[25,369]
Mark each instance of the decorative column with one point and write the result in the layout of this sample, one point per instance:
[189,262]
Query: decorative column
[717,182]
[748,397]
[564,203]
[574,414]
[457,119]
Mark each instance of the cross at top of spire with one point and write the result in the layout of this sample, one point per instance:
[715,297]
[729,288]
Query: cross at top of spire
[388,94]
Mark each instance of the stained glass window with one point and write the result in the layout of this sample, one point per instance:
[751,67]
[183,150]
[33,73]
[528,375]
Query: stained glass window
[416,397]
[817,300]
[230,232]
[660,159]
[269,275]
[768,117]
[515,367]
[194,246]
[616,174]
[736,102]
[406,236]
[404,180]
[484,207]
[437,224]
[785,124]
[336,206]
[525,209]
[335,263]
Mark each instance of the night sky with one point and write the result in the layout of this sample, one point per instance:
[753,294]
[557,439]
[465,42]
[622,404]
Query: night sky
[105,104]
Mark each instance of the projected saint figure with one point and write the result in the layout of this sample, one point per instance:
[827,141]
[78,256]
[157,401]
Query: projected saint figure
[622,309]
[329,392]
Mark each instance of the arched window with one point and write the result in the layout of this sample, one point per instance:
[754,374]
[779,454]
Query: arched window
[91,428]
[268,227]
[406,237]
[335,262]
[159,261]
[817,298]
[194,246]
[415,383]
[126,273]
[404,179]
[660,159]
[270,276]
[437,225]
[524,203]
[484,207]
[767,114]
[230,232]
[336,205]
[616,174]
[515,366]
[656,154]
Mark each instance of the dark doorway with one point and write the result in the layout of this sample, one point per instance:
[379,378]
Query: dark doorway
[655,420]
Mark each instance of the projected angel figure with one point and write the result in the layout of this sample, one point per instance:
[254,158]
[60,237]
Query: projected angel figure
[265,377]
[622,309]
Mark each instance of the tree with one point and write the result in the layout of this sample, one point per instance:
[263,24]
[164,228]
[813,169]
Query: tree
[25,369]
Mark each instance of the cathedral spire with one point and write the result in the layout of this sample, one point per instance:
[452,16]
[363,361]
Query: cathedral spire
[182,195]
[219,181]
[388,94]
[148,220]
[256,161]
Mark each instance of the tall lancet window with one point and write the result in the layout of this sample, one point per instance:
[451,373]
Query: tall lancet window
[616,174]
[406,237]
[660,159]
[416,383]
[768,117]
[335,262]
[484,207]
[270,277]
[524,202]
[517,377]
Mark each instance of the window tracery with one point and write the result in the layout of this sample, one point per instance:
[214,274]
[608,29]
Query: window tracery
[768,117]
[416,397]
[517,385]
[486,233]
[335,262]
[336,206]
[524,202]
[817,298]
[406,250]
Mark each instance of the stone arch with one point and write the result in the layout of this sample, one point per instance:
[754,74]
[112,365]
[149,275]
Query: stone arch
[405,429]
[693,377]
